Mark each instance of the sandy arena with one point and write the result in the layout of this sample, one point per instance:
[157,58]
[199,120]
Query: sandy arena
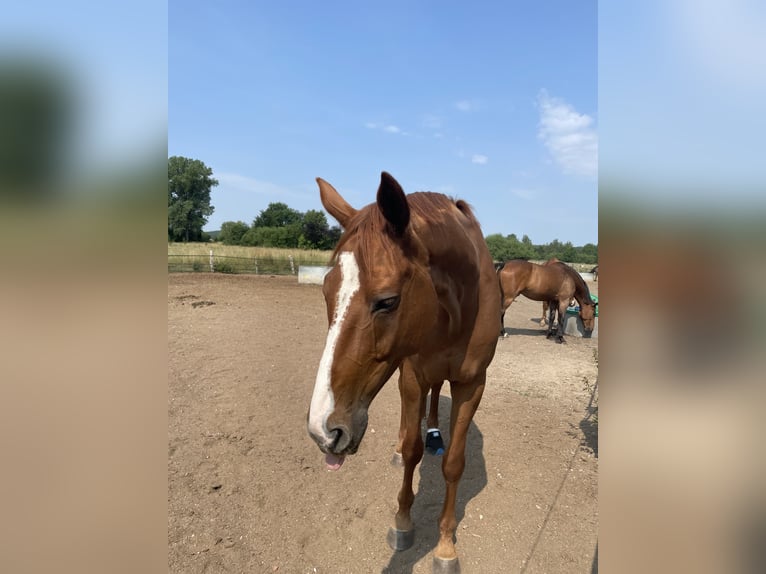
[248,490]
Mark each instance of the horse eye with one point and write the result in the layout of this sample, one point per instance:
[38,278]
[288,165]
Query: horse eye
[386,304]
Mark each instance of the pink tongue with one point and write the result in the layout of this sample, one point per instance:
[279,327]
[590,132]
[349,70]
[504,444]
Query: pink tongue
[334,462]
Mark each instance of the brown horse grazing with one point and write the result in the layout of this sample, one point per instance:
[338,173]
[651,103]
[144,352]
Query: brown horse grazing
[412,288]
[555,283]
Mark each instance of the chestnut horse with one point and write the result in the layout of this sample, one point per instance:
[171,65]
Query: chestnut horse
[412,288]
[554,283]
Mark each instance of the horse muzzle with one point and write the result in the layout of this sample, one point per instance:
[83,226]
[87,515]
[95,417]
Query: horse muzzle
[341,438]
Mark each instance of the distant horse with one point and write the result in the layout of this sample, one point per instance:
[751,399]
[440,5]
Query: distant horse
[555,283]
[595,273]
[412,288]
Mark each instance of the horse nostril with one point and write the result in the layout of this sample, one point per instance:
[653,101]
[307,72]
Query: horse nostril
[341,439]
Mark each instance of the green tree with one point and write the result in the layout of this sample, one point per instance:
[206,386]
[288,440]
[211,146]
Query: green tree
[553,249]
[496,246]
[333,236]
[315,229]
[277,215]
[525,249]
[568,252]
[286,236]
[589,253]
[189,185]
[232,232]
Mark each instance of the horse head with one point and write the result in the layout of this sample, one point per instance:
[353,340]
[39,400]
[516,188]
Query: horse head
[381,304]
[588,315]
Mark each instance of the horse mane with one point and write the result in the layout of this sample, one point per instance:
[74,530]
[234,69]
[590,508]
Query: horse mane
[464,207]
[427,209]
[581,287]
[436,208]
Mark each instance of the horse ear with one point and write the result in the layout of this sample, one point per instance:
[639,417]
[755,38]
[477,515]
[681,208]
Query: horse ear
[393,203]
[334,203]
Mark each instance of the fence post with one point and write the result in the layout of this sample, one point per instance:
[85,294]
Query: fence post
[256,265]
[292,265]
[211,261]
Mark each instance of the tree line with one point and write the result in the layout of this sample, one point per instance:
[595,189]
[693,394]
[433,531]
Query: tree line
[282,226]
[190,182]
[503,248]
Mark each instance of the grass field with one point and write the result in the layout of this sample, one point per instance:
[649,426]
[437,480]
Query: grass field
[306,256]
[239,259]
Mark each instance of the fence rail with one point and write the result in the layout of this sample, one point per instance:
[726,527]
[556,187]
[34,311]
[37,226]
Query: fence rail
[263,265]
[213,263]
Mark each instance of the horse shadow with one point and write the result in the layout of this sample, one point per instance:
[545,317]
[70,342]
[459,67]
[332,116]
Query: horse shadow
[536,332]
[429,497]
[589,423]
[589,428]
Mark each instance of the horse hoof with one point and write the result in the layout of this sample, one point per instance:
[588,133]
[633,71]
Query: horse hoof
[397,460]
[442,566]
[400,539]
[434,443]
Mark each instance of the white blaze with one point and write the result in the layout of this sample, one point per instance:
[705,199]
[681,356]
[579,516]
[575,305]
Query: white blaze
[323,401]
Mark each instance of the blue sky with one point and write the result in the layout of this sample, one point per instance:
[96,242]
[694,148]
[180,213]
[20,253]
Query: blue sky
[491,102]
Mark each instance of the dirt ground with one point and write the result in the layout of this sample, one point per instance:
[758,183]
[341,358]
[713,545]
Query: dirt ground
[248,490]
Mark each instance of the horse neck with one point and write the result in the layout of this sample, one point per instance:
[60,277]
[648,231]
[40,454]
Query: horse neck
[582,293]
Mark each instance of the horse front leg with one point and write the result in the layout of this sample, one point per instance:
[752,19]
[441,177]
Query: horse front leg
[434,441]
[465,400]
[543,319]
[402,535]
[397,459]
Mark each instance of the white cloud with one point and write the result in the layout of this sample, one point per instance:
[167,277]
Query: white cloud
[467,105]
[569,136]
[480,159]
[388,128]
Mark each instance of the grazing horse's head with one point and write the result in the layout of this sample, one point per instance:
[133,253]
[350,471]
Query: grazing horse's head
[381,304]
[588,315]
